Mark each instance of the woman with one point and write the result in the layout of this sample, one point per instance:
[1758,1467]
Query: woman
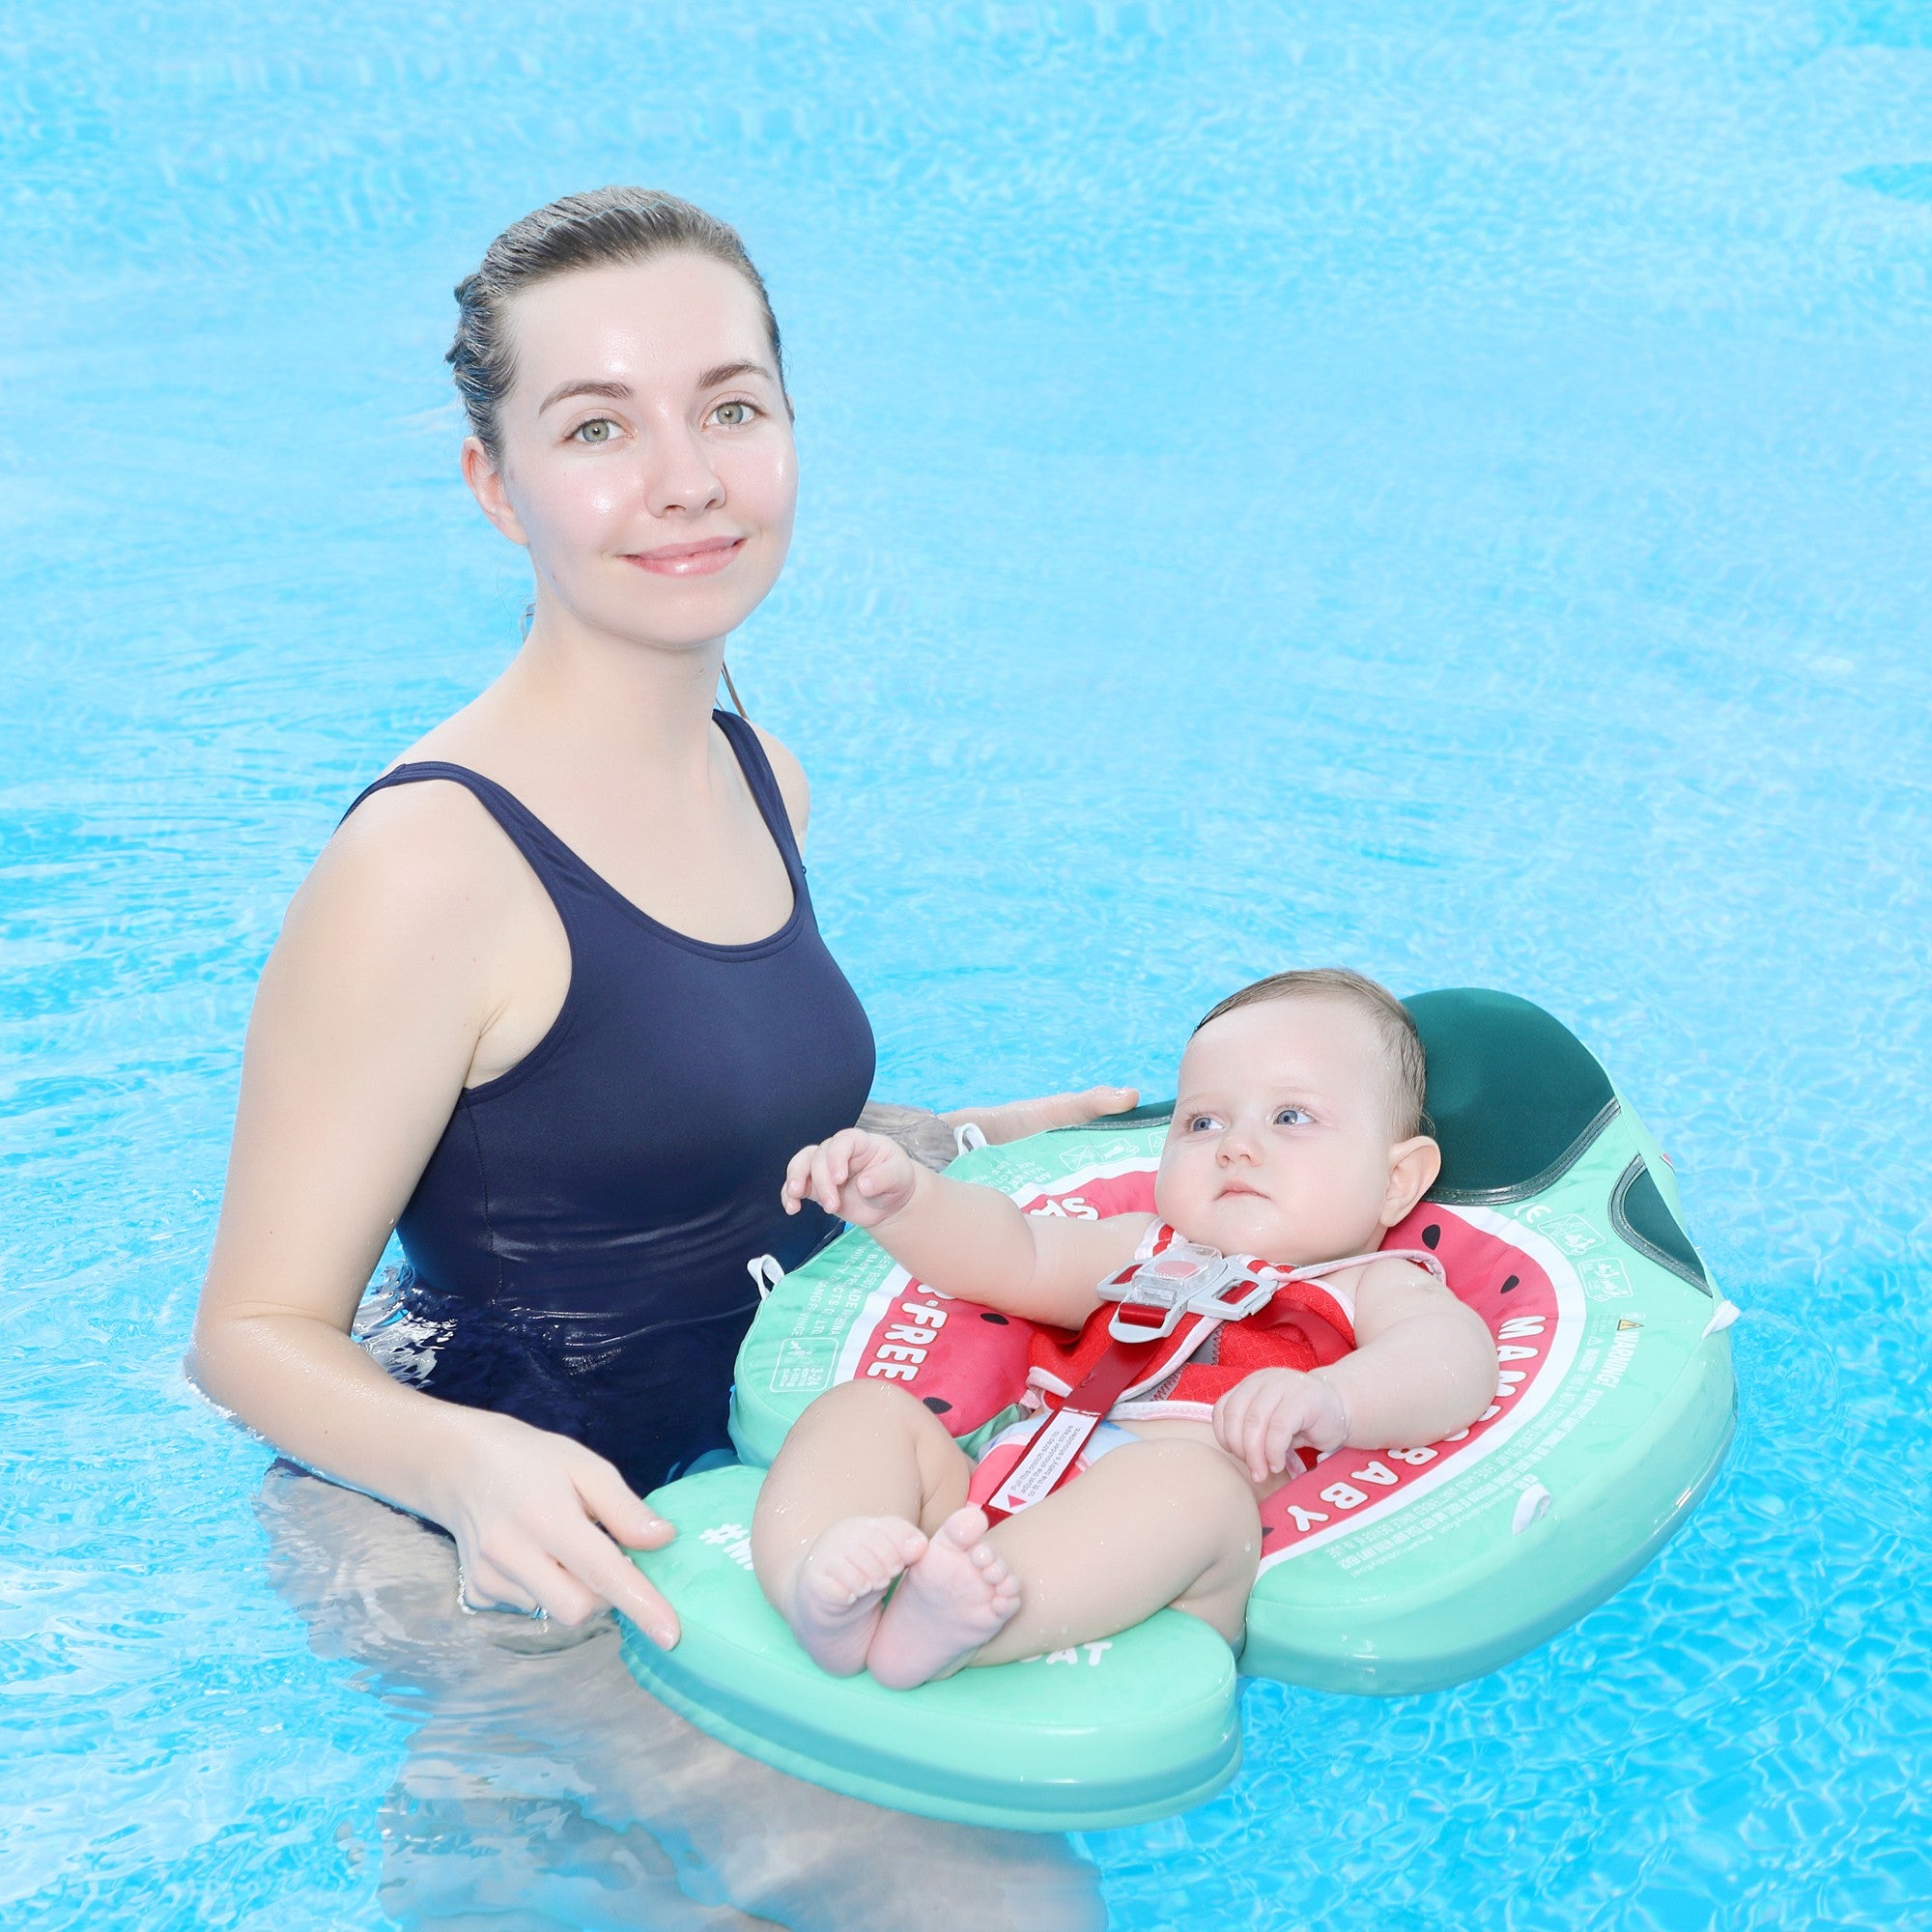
[552,1001]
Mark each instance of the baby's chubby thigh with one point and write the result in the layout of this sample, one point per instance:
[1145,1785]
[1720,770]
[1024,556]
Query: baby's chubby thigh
[864,1448]
[1184,1429]
[1165,1518]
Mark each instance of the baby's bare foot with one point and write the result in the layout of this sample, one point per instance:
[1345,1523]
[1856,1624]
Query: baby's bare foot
[833,1601]
[954,1599]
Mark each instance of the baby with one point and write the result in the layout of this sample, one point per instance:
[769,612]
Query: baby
[1296,1139]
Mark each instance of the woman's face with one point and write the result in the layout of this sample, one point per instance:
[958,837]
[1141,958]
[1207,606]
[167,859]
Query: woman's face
[648,463]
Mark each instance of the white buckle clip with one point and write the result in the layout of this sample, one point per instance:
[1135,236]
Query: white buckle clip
[1258,1294]
[1184,1280]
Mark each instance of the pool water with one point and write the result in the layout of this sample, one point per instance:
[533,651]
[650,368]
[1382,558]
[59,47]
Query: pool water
[1425,485]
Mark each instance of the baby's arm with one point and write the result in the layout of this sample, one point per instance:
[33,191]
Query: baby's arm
[1424,1366]
[965,1241]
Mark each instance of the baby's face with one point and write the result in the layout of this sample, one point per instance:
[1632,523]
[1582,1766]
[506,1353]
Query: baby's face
[1281,1144]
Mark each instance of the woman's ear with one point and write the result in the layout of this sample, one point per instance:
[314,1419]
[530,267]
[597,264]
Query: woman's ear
[1414,1165]
[486,483]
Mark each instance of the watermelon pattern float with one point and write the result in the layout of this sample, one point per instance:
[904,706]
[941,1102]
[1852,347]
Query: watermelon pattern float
[1384,1572]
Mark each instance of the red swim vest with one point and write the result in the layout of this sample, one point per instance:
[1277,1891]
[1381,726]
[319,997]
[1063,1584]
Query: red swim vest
[1305,1325]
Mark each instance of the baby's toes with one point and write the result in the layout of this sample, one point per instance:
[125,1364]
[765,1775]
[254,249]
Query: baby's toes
[846,1582]
[895,1543]
[966,1527]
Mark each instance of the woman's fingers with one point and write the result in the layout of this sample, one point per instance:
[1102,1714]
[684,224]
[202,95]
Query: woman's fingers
[1073,1110]
[483,1586]
[625,1515]
[1019,1117]
[596,1563]
[563,1599]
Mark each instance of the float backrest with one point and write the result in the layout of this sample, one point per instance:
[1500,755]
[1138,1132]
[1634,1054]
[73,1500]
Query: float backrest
[1513,1093]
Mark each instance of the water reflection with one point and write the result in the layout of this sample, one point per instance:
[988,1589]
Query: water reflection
[544,1791]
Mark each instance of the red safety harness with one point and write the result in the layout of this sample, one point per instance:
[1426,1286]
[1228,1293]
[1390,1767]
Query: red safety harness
[1166,1306]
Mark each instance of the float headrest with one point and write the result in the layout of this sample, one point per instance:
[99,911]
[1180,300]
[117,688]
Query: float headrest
[1511,1090]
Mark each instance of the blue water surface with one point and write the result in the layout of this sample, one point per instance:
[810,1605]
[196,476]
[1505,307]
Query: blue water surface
[1433,486]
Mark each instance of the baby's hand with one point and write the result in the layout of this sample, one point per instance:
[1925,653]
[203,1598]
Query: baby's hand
[1268,1413]
[862,1178]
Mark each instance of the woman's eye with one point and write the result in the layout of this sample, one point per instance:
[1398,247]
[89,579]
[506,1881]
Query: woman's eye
[599,429]
[735,415]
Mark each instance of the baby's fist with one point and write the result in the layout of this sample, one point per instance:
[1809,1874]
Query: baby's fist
[859,1177]
[1265,1415]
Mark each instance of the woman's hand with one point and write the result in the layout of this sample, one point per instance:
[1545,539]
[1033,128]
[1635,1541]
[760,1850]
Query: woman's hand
[863,1177]
[541,1525]
[1017,1119]
[1267,1415]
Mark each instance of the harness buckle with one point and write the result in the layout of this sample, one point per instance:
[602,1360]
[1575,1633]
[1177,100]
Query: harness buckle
[1257,1292]
[1153,1294]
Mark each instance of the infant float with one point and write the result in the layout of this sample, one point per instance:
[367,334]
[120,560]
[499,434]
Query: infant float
[1382,1571]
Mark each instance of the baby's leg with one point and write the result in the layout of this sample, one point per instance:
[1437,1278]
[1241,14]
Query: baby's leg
[1151,1524]
[867,1474]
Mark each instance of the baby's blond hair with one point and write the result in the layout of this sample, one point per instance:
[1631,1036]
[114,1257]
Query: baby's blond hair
[1401,1044]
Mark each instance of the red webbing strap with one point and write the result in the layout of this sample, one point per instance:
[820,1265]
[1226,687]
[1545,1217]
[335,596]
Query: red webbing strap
[1049,1459]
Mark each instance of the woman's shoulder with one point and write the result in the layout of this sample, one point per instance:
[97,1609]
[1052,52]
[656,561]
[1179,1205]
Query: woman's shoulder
[421,854]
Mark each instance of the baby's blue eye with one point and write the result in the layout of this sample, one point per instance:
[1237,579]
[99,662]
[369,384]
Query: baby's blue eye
[1202,1123]
[1291,1116]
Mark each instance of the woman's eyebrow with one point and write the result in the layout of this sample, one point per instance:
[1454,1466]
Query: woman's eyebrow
[727,372]
[585,386]
[620,392]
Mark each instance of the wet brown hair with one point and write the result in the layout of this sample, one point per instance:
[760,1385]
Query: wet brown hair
[610,226]
[1401,1044]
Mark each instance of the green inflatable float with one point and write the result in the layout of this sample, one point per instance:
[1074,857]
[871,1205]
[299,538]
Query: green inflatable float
[1384,1573]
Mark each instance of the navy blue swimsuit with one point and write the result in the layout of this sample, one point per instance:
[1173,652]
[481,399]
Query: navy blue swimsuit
[579,1243]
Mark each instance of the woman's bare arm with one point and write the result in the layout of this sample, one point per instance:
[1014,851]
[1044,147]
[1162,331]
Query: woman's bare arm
[1013,1120]
[369,1017]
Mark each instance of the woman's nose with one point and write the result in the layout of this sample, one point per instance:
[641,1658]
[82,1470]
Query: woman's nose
[679,476]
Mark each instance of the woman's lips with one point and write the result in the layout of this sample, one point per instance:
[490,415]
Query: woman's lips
[693,559]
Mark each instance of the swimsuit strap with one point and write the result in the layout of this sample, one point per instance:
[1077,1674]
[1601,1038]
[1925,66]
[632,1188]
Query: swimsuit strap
[523,829]
[554,862]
